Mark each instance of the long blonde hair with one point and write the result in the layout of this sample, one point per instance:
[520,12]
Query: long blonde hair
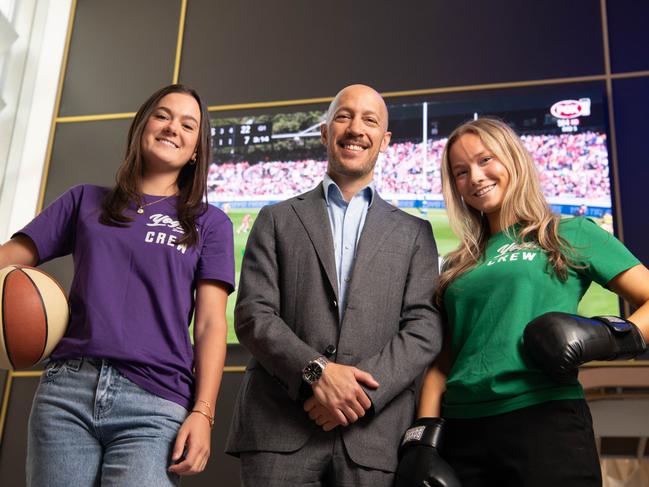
[523,203]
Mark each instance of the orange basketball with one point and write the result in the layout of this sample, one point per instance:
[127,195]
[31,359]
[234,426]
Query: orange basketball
[34,316]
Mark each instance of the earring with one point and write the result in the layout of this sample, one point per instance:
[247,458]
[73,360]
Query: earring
[192,161]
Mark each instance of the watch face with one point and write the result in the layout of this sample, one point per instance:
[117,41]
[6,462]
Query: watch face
[312,372]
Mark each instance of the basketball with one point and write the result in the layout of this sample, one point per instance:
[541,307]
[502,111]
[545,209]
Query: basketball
[34,316]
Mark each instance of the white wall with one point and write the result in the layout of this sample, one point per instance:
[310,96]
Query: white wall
[30,75]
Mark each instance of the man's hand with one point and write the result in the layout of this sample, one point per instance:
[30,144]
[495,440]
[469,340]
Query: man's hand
[194,440]
[320,414]
[339,391]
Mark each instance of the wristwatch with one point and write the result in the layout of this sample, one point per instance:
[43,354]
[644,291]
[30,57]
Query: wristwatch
[312,371]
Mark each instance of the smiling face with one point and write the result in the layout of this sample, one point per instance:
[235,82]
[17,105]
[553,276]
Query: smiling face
[480,178]
[355,133]
[171,133]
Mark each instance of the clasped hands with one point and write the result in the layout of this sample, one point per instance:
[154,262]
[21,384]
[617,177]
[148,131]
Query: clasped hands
[338,398]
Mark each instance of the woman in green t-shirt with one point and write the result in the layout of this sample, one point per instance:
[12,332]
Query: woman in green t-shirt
[509,419]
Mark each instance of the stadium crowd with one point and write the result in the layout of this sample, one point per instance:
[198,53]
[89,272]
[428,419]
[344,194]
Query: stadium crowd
[570,165]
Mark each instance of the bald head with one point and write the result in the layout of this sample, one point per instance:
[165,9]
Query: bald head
[371,100]
[355,133]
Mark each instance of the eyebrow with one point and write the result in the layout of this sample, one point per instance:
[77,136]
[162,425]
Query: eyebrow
[373,113]
[185,117]
[478,155]
[472,157]
[455,164]
[483,153]
[363,112]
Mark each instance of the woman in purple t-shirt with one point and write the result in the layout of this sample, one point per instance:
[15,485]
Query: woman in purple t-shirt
[126,399]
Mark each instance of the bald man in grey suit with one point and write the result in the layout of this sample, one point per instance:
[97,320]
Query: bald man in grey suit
[336,307]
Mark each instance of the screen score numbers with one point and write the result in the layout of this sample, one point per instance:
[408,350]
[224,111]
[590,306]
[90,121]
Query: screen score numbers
[243,134]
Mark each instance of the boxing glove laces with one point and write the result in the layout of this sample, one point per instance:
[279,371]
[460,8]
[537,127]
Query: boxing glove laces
[420,464]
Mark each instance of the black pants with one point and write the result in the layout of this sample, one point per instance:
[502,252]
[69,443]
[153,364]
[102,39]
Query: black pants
[546,445]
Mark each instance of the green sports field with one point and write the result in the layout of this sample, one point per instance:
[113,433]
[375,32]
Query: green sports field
[597,301]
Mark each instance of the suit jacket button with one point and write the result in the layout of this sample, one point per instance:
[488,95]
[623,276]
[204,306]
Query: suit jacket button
[330,351]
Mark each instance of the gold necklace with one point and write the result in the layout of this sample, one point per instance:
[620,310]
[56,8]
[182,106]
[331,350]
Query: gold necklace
[140,209]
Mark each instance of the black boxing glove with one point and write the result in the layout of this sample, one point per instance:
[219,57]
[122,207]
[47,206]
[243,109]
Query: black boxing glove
[561,342]
[419,462]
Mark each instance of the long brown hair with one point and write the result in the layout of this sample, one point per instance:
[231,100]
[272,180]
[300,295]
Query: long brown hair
[192,180]
[523,203]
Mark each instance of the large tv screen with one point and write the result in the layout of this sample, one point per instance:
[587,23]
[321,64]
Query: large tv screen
[265,156]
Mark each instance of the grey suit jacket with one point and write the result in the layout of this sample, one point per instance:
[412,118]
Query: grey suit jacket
[286,315]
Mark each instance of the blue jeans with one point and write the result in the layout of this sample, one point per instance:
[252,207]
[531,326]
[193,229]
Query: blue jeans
[91,426]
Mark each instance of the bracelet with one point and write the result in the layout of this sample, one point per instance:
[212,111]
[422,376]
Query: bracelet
[207,404]
[209,418]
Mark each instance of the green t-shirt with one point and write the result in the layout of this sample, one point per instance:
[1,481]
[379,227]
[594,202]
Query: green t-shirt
[488,307]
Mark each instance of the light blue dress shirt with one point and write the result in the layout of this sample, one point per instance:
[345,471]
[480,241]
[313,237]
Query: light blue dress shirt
[347,220]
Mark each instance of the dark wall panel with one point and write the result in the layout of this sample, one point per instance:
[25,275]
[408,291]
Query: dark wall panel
[255,50]
[628,35]
[14,445]
[121,51]
[88,152]
[631,98]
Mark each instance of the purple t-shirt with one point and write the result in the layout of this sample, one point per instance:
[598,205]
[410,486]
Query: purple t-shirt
[132,296]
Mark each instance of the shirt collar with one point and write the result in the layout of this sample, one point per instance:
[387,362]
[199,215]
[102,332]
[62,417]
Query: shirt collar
[330,185]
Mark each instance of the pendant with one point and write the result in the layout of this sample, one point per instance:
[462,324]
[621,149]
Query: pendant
[140,210]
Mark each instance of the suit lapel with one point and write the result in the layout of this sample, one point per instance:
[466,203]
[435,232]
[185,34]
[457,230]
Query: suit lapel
[379,223]
[311,209]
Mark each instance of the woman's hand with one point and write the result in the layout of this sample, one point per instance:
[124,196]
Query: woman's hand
[192,447]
